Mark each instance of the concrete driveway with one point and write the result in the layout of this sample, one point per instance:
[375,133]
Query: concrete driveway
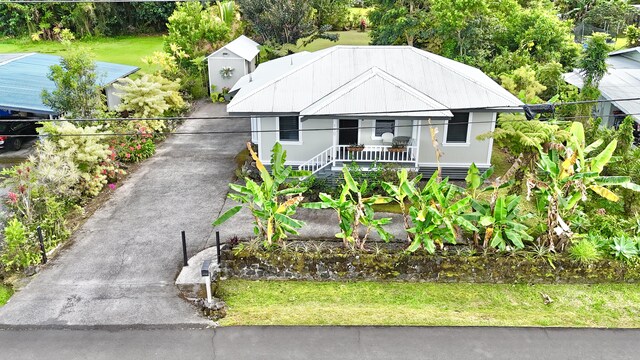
[122,263]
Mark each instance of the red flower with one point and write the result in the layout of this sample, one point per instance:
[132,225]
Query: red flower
[139,147]
[127,155]
[22,189]
[13,197]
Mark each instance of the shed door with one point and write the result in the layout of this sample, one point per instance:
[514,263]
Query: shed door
[348,132]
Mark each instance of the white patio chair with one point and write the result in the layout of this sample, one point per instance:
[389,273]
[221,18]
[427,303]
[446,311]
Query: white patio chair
[387,138]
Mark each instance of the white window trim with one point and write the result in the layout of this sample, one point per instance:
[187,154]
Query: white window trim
[289,142]
[467,143]
[373,129]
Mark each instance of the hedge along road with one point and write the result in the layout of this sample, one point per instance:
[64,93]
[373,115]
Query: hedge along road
[121,264]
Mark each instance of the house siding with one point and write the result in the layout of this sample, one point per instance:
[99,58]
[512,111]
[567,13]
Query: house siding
[113,100]
[477,151]
[233,61]
[311,142]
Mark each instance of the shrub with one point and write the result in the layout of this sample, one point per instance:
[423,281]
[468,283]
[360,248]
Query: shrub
[624,248]
[19,251]
[150,96]
[585,252]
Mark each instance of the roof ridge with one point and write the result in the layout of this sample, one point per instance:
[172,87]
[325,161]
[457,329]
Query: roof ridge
[282,76]
[452,69]
[368,74]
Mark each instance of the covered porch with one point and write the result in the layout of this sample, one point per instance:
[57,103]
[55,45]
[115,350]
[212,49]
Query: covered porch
[369,141]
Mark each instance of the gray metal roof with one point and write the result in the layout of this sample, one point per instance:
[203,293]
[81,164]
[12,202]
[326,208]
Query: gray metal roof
[622,81]
[309,80]
[24,76]
[242,46]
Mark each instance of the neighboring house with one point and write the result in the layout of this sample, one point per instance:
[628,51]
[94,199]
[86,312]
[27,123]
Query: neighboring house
[622,81]
[24,76]
[384,97]
[231,62]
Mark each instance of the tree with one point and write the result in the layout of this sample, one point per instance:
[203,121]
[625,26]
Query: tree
[149,96]
[611,15]
[398,22]
[196,30]
[334,13]
[453,17]
[77,93]
[522,83]
[633,36]
[283,21]
[592,64]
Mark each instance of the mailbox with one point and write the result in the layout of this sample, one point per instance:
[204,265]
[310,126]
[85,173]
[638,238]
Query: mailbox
[204,271]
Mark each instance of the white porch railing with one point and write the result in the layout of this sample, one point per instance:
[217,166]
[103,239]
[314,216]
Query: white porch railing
[370,154]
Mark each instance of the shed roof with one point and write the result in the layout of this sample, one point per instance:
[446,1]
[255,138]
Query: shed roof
[622,81]
[311,78]
[24,76]
[241,46]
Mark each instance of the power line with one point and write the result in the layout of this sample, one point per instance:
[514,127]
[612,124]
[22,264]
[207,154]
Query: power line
[353,114]
[436,122]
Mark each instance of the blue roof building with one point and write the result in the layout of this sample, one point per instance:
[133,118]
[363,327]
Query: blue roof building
[24,76]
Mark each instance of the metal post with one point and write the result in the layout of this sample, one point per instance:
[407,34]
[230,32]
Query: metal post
[42,249]
[184,249]
[218,245]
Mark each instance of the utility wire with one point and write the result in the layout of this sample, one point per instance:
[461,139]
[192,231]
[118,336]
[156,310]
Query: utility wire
[433,123]
[219,117]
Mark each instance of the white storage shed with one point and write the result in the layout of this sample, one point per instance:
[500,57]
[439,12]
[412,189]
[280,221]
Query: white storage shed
[231,62]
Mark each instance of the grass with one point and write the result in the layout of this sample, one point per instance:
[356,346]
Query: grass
[351,37]
[127,50]
[393,303]
[5,294]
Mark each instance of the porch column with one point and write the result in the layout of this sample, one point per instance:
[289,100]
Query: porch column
[416,135]
[334,150]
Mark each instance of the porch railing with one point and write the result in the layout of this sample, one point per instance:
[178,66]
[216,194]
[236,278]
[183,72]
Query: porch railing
[369,154]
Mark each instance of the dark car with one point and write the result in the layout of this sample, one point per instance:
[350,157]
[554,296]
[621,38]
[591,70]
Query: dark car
[9,128]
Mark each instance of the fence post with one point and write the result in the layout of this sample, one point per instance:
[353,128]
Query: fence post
[184,249]
[218,245]
[42,249]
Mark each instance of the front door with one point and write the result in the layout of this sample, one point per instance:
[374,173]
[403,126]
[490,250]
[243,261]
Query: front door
[348,132]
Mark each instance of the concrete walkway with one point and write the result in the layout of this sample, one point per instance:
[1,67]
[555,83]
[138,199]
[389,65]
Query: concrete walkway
[123,261]
[315,343]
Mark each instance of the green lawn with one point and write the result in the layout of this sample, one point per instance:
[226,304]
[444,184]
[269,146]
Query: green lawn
[351,37]
[393,303]
[5,294]
[123,50]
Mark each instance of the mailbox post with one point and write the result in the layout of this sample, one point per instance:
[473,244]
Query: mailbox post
[206,277]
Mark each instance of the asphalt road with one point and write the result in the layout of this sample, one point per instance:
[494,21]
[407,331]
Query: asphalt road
[239,343]
[121,264]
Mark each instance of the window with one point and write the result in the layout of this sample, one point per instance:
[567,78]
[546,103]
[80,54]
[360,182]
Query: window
[384,126]
[458,128]
[288,128]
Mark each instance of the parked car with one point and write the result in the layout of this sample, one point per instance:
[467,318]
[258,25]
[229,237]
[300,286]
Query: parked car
[10,128]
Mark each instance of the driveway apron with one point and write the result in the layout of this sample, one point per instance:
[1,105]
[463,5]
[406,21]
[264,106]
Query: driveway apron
[122,263]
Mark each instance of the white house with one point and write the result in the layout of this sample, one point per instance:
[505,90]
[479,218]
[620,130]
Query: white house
[231,62]
[622,81]
[387,98]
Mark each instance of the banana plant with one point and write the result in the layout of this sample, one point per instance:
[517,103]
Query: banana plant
[354,210]
[501,222]
[436,213]
[565,175]
[272,207]
[400,196]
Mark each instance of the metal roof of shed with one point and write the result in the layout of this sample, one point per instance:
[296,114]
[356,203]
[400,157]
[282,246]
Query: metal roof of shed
[24,76]
[241,46]
[452,84]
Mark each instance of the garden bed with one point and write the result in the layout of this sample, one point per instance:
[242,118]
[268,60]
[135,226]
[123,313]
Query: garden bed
[311,260]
